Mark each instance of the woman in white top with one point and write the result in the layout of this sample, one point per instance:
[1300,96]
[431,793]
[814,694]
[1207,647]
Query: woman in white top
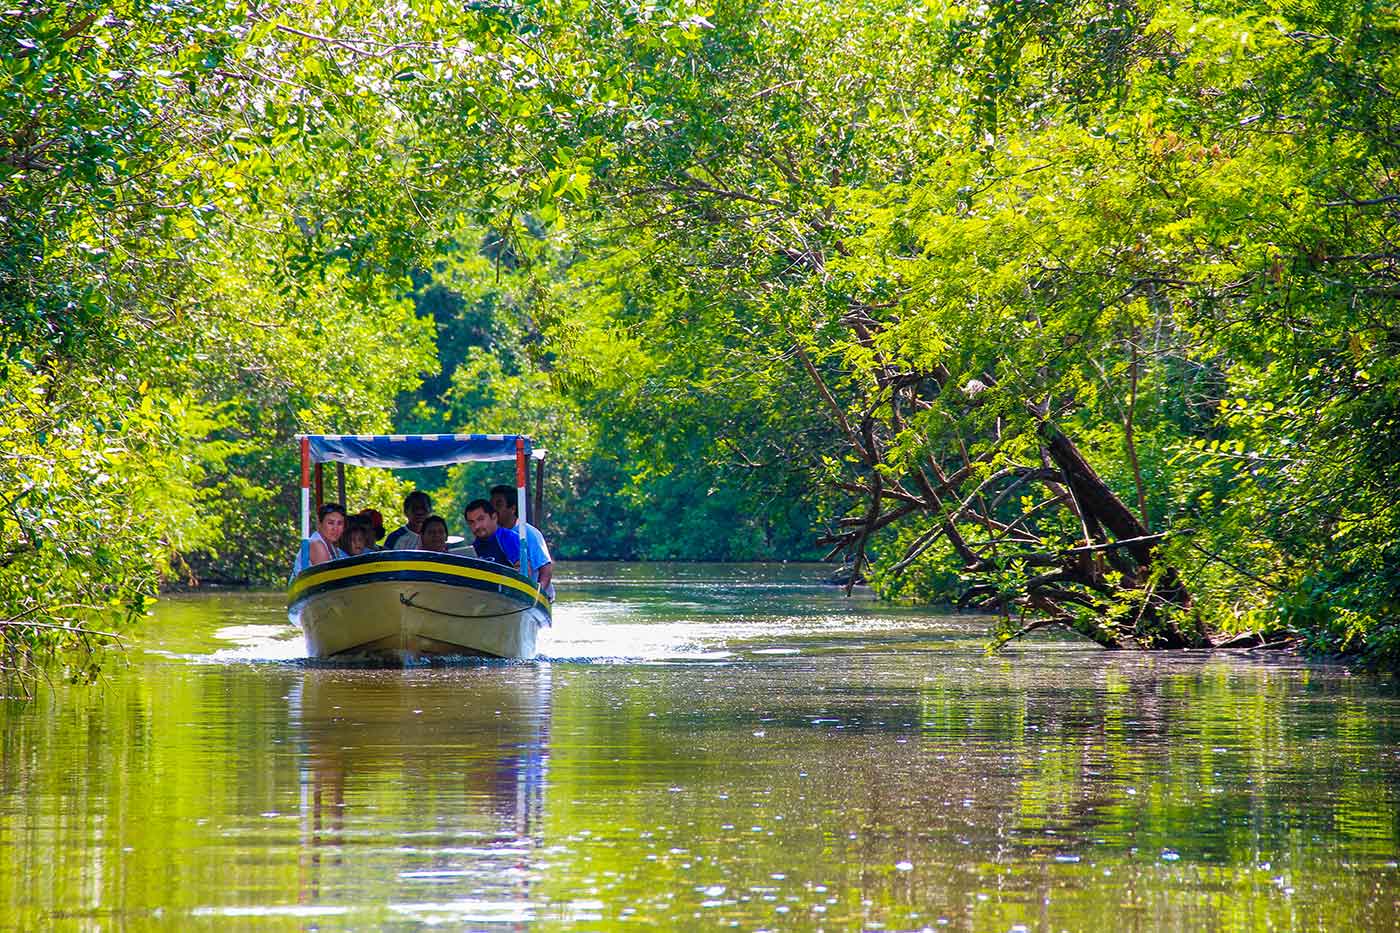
[325,540]
[322,545]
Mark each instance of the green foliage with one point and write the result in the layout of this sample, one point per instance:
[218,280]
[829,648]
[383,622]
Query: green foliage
[1122,216]
[632,471]
[210,219]
[94,508]
[733,264]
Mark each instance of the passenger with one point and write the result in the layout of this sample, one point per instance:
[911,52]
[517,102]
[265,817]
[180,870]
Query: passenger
[359,535]
[324,541]
[321,546]
[416,507]
[434,534]
[376,524]
[489,541]
[506,499]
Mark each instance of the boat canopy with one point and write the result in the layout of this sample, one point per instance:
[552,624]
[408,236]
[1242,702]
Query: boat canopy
[402,451]
[414,450]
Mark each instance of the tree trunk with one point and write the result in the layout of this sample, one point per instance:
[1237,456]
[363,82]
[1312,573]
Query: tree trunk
[1102,507]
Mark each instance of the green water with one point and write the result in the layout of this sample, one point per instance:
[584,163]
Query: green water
[704,747]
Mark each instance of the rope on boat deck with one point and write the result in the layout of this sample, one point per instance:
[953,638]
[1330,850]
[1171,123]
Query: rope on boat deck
[408,601]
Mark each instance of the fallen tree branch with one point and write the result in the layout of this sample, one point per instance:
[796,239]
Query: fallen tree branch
[831,403]
[73,629]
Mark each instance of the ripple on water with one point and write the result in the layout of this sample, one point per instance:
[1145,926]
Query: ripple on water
[702,749]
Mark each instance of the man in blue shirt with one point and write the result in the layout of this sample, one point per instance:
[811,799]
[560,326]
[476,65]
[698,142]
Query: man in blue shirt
[490,541]
[506,501]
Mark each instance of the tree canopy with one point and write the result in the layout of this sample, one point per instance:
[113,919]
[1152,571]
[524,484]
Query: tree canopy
[1080,312]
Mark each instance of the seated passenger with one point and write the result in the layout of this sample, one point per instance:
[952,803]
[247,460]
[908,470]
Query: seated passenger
[321,546]
[376,524]
[489,541]
[359,535]
[434,534]
[416,507]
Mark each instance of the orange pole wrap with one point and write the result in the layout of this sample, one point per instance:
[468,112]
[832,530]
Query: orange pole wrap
[520,462]
[305,487]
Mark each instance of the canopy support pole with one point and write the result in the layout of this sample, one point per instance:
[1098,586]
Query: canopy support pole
[538,509]
[305,487]
[522,492]
[340,485]
[320,487]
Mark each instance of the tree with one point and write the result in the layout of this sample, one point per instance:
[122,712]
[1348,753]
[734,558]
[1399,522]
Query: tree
[211,217]
[1068,283]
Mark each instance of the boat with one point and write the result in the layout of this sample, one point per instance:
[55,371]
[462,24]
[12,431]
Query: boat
[406,606]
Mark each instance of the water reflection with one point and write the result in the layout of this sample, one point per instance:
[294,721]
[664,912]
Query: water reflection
[701,750]
[438,774]
[1065,789]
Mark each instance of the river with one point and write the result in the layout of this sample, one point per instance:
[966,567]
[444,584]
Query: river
[701,747]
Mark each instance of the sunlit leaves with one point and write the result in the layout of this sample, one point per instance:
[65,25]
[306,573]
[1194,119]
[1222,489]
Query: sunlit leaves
[1124,213]
[1121,214]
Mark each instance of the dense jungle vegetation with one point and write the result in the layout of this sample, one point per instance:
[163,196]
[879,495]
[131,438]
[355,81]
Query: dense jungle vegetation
[1079,312]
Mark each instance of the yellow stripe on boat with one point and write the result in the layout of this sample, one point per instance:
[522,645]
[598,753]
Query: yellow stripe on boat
[370,571]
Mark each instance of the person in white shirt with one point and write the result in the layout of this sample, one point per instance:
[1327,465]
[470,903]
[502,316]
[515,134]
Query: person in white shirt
[322,546]
[506,499]
[416,508]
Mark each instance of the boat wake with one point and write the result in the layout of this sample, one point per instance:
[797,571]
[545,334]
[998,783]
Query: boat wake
[620,631]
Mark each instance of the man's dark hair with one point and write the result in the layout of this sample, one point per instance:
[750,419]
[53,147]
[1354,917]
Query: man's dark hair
[475,504]
[327,509]
[511,494]
[434,520]
[417,495]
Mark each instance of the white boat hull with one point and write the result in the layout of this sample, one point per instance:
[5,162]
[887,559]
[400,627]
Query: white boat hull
[403,606]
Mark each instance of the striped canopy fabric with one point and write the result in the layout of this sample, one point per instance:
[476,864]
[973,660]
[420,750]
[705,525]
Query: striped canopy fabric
[412,450]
